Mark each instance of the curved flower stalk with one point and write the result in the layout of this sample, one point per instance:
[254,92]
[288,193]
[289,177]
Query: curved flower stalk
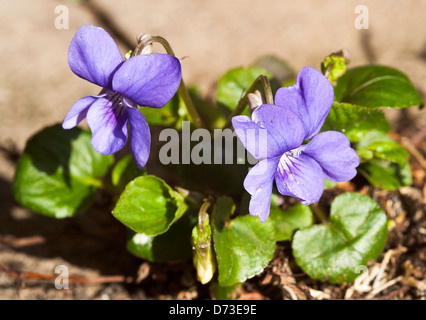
[275,134]
[144,80]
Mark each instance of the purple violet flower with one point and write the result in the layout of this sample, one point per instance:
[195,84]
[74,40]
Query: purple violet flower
[275,135]
[144,80]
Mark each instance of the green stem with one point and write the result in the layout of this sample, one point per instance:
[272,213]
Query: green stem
[243,101]
[192,111]
[99,184]
[182,90]
[319,214]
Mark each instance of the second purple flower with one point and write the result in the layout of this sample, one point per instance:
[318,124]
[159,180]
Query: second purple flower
[275,134]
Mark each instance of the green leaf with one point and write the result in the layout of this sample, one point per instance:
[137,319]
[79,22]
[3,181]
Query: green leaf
[232,86]
[357,233]
[373,136]
[222,211]
[168,116]
[125,171]
[365,154]
[377,86]
[328,184]
[244,246]
[286,222]
[385,162]
[175,244]
[149,206]
[389,151]
[59,172]
[386,175]
[381,146]
[354,121]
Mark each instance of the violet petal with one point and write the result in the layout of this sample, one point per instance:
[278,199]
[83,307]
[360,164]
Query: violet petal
[78,112]
[93,55]
[311,97]
[254,138]
[333,152]
[301,177]
[149,80]
[259,182]
[284,127]
[140,137]
[108,122]
[273,131]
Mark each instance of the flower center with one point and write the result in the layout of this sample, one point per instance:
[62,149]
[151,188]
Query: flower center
[288,161]
[116,99]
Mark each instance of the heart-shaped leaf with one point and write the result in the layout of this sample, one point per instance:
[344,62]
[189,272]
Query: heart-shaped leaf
[244,246]
[59,172]
[377,86]
[356,234]
[149,206]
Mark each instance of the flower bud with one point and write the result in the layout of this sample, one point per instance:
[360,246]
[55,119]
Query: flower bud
[255,100]
[147,49]
[201,239]
[334,65]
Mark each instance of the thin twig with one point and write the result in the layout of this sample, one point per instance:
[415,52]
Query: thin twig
[12,242]
[319,214]
[71,279]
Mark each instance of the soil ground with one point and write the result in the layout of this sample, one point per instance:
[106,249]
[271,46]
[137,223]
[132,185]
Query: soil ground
[37,89]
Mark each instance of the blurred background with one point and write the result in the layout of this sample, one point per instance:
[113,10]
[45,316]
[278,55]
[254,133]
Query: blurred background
[37,87]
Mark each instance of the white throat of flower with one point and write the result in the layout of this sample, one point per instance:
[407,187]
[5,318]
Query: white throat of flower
[288,160]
